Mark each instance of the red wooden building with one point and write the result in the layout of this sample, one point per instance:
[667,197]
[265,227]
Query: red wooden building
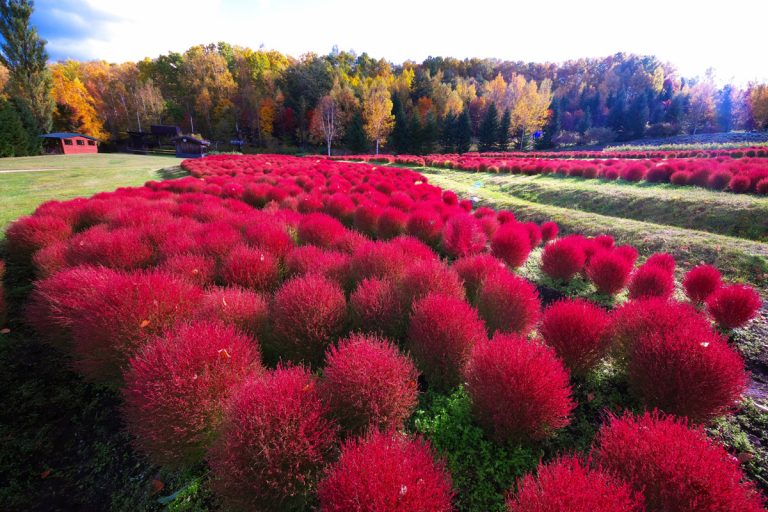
[66,143]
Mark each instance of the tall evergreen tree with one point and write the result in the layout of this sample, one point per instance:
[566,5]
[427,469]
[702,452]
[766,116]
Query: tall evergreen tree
[489,129]
[14,140]
[23,53]
[448,133]
[400,134]
[637,116]
[414,135]
[504,125]
[463,132]
[429,135]
[355,137]
[725,109]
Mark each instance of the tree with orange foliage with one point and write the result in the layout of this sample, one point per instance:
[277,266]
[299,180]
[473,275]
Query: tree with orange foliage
[758,105]
[75,106]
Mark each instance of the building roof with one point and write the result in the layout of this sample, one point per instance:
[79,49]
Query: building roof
[189,138]
[66,135]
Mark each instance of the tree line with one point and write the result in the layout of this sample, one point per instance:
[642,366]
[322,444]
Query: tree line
[353,102]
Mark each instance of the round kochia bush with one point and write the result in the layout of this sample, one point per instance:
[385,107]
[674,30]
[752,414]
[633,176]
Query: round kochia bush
[568,484]
[508,303]
[473,269]
[442,332]
[519,389]
[376,308]
[512,244]
[651,281]
[368,384]
[678,469]
[308,314]
[578,331]
[176,387]
[700,282]
[609,272]
[688,370]
[563,258]
[424,277]
[463,236]
[386,472]
[275,441]
[251,268]
[245,309]
[733,306]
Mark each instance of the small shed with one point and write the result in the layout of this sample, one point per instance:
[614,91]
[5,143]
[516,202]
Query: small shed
[67,143]
[190,147]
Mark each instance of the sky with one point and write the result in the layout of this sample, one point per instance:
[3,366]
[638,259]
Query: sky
[692,35]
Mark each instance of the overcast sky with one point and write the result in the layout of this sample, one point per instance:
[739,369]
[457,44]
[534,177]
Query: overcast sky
[693,35]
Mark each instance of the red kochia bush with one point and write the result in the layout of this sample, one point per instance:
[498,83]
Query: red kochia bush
[733,306]
[196,268]
[376,307]
[663,260]
[425,225]
[651,281]
[549,231]
[319,229]
[127,310]
[609,272]
[473,269]
[563,258]
[519,389]
[275,442]
[3,307]
[678,469]
[251,268]
[700,282]
[508,303]
[29,234]
[687,370]
[441,334]
[463,236]
[308,314]
[512,244]
[627,252]
[431,276]
[578,331]
[176,387]
[680,178]
[368,383]
[568,484]
[386,472]
[762,186]
[392,223]
[245,309]
[740,184]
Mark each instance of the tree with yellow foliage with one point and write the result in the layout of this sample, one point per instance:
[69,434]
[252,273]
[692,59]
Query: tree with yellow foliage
[530,106]
[75,106]
[377,112]
[758,105]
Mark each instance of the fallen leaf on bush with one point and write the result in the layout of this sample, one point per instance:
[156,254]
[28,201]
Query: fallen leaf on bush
[157,486]
[223,354]
[144,323]
[45,474]
[745,457]
[5,331]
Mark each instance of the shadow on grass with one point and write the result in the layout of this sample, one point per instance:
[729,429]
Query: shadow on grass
[172,173]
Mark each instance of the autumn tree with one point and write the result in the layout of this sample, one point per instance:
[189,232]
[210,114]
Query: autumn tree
[758,105]
[701,104]
[207,78]
[75,106]
[4,76]
[22,53]
[530,106]
[377,112]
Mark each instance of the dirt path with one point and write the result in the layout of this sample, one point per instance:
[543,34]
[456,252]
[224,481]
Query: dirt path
[30,170]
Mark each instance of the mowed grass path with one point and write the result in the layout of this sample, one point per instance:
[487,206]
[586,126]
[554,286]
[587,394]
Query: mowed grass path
[739,259]
[36,179]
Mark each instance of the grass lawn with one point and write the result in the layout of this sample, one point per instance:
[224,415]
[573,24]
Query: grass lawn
[28,181]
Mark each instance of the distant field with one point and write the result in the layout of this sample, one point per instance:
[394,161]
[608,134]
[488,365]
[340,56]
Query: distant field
[26,182]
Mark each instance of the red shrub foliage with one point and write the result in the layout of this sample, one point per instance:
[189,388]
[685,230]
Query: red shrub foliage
[319,229]
[429,276]
[245,309]
[740,184]
[680,178]
[450,198]
[534,233]
[386,472]
[549,231]
[512,244]
[379,260]
[519,389]
[719,180]
[269,236]
[563,258]
[687,370]
[309,259]
[251,268]
[375,307]
[367,218]
[733,306]
[609,272]
[425,225]
[578,331]
[663,260]
[627,252]
[28,234]
[473,269]
[762,187]
[275,442]
[508,303]
[651,281]
[127,310]
[660,174]
[195,268]
[308,314]
[176,387]
[3,307]
[463,236]
[678,469]
[442,332]
[569,484]
[700,282]
[367,384]
[633,173]
[120,248]
[392,223]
